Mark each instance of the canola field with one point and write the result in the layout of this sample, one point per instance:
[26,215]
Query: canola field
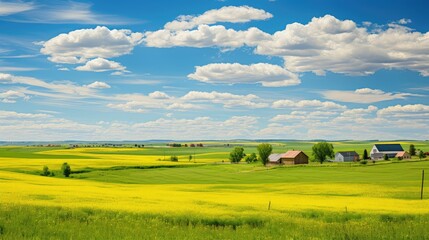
[129,193]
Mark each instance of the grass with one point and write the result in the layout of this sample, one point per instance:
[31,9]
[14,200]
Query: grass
[63,223]
[127,193]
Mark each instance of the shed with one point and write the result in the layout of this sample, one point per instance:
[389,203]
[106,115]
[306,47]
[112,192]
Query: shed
[350,156]
[403,155]
[289,158]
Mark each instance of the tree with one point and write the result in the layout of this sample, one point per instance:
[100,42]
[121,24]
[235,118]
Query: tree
[322,150]
[66,169]
[264,150]
[45,171]
[412,150]
[236,154]
[386,158]
[251,158]
[365,154]
[422,155]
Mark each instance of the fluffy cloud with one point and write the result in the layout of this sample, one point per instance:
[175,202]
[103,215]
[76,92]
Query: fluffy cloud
[405,111]
[9,8]
[183,106]
[364,95]
[80,45]
[11,96]
[359,111]
[98,85]
[231,73]
[205,36]
[159,95]
[101,65]
[140,103]
[308,104]
[231,14]
[340,46]
[229,100]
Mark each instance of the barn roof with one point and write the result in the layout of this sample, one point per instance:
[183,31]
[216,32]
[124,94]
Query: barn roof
[389,147]
[291,154]
[274,157]
[349,154]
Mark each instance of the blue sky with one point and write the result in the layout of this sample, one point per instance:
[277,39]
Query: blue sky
[98,70]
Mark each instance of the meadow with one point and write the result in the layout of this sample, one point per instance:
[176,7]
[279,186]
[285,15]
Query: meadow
[137,193]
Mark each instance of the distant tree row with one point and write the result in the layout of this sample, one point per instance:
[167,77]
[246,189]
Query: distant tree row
[184,145]
[264,150]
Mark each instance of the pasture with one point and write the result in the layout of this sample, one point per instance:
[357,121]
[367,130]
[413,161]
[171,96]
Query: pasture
[129,193]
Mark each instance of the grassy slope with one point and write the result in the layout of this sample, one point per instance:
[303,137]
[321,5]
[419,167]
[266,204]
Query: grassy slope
[385,173]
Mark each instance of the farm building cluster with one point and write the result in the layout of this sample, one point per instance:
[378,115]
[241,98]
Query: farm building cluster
[378,152]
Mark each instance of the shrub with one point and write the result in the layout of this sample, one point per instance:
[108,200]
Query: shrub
[174,159]
[236,154]
[364,162]
[251,158]
[66,169]
[45,171]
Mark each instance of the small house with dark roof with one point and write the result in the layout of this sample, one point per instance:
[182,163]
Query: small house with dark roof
[379,150]
[350,156]
[288,158]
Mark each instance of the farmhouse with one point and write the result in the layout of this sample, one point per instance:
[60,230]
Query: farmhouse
[379,150]
[403,155]
[351,156]
[289,158]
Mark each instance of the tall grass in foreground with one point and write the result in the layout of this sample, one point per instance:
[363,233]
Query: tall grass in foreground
[31,222]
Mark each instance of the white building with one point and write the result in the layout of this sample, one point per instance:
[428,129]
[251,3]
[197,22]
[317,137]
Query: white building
[379,150]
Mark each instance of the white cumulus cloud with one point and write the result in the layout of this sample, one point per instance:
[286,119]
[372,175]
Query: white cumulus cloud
[231,14]
[232,73]
[80,45]
[205,36]
[307,104]
[159,95]
[101,65]
[98,85]
[406,111]
[12,96]
[329,44]
[364,95]
[228,100]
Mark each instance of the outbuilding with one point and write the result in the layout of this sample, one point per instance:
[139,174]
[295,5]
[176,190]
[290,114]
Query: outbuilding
[350,156]
[288,158]
[403,155]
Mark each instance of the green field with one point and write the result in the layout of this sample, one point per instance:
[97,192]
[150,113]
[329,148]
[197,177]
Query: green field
[133,193]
